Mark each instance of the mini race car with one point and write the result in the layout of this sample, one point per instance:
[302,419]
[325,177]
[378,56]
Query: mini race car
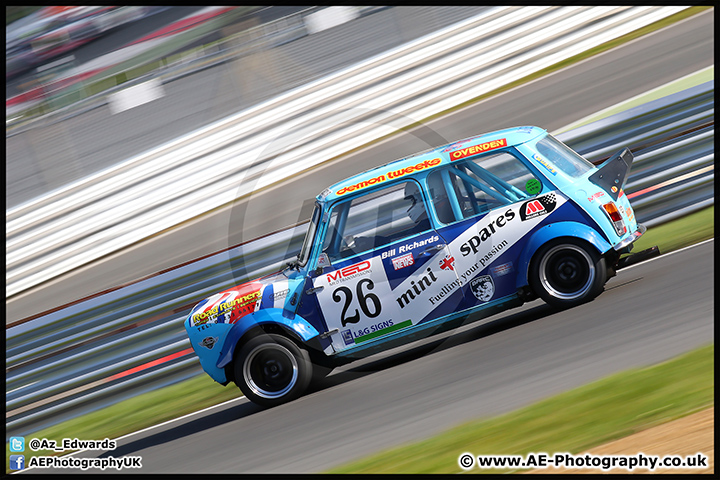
[417,247]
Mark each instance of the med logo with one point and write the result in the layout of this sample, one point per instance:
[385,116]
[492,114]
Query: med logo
[17,444]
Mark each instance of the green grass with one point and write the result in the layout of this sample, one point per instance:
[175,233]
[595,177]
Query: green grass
[602,411]
[201,392]
[697,78]
[687,230]
[138,412]
[17,12]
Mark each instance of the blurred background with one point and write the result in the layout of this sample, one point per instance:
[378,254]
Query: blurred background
[156,155]
[63,63]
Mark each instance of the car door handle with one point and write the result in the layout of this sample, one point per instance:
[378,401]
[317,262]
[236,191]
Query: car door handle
[435,248]
[310,291]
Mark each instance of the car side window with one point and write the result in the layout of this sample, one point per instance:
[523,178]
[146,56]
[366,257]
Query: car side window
[564,157]
[479,185]
[374,220]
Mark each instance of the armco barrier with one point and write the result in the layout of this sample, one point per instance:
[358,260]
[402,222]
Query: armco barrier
[261,37]
[130,340]
[173,183]
[672,140]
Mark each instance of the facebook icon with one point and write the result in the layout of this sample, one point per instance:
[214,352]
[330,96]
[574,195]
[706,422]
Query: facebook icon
[17,462]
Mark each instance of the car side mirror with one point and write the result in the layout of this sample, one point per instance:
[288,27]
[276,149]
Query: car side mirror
[319,271]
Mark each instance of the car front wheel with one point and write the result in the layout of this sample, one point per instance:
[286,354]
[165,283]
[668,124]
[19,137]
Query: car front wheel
[271,369]
[568,272]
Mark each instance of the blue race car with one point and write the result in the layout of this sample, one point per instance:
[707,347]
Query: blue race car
[419,246]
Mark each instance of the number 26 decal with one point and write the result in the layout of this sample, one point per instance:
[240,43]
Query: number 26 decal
[366,302]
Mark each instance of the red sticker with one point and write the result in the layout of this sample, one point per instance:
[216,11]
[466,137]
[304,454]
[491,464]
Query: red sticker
[483,147]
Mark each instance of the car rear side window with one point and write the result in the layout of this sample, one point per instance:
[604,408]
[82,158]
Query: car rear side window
[564,157]
[479,185]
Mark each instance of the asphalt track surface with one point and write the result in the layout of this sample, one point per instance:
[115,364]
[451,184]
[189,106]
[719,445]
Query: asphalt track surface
[648,313]
[550,102]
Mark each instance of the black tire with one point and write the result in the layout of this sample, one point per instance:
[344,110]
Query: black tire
[567,272]
[271,370]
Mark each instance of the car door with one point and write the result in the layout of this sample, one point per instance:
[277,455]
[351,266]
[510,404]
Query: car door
[381,265]
[486,205]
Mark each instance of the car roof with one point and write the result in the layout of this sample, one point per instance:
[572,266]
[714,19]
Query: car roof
[431,158]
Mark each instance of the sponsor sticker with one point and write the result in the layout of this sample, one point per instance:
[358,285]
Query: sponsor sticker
[596,196]
[278,295]
[351,271]
[373,331]
[403,261]
[393,174]
[537,207]
[409,247]
[454,146]
[323,260]
[209,342]
[380,329]
[629,213]
[533,186]
[474,150]
[464,276]
[503,269]
[416,289]
[474,243]
[228,309]
[447,263]
[347,337]
[483,288]
[545,164]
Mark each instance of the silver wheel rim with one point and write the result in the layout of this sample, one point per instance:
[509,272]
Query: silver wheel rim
[270,370]
[562,270]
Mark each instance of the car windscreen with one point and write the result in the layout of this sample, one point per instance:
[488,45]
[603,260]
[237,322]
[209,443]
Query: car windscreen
[304,254]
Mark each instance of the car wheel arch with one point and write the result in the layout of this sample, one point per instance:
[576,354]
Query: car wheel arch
[557,266]
[553,232]
[296,329]
[255,331]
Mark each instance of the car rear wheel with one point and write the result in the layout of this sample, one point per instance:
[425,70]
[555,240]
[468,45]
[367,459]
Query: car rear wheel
[271,369]
[567,272]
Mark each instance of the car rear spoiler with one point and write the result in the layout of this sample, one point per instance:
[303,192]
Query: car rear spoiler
[613,173]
